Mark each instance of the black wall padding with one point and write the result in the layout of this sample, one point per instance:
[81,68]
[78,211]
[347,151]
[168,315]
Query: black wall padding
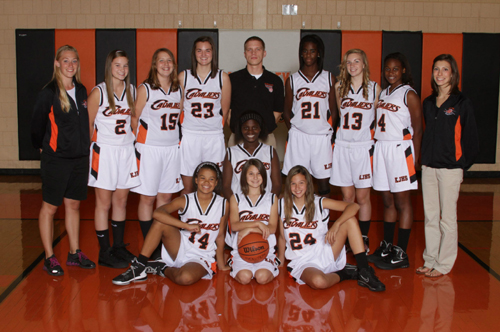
[410,44]
[480,82]
[333,48]
[109,40]
[185,40]
[35,53]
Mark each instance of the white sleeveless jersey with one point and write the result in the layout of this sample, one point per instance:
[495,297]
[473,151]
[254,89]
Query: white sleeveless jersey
[393,115]
[159,120]
[258,212]
[311,108]
[301,237]
[238,157]
[113,129]
[202,110]
[203,243]
[357,115]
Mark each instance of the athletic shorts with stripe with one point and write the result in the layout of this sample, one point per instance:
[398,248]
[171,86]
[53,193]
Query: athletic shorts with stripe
[197,148]
[113,167]
[352,164]
[159,169]
[184,256]
[320,258]
[394,166]
[314,152]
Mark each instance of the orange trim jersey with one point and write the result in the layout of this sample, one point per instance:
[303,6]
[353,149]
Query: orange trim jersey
[301,237]
[159,120]
[202,110]
[203,243]
[311,109]
[393,115]
[357,115]
[113,129]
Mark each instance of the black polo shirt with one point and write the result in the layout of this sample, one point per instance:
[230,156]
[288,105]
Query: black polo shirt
[264,95]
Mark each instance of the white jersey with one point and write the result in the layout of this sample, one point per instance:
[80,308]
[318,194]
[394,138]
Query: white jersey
[311,107]
[393,115]
[260,211]
[202,110]
[357,115]
[113,129]
[203,243]
[238,157]
[159,120]
[302,237]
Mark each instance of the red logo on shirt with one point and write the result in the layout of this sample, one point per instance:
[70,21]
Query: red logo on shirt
[269,86]
[449,111]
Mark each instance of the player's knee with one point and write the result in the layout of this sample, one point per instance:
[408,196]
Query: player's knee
[263,277]
[318,281]
[244,278]
[147,200]
[185,279]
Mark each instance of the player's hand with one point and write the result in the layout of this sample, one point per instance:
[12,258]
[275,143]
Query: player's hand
[264,229]
[331,235]
[242,234]
[193,228]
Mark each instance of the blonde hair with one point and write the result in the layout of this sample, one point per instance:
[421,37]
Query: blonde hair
[108,79]
[345,78]
[309,195]
[56,76]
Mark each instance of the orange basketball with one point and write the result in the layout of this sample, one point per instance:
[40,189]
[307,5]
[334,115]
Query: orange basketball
[253,248]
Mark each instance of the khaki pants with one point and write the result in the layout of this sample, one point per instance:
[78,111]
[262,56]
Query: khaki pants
[271,140]
[440,190]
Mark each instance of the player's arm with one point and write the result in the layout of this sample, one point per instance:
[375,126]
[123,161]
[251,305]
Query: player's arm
[219,252]
[238,226]
[181,85]
[275,174]
[163,214]
[140,102]
[349,211]
[93,106]
[226,95]
[40,118]
[281,242]
[227,177]
[287,109]
[337,96]
[415,107]
[333,102]
[278,99]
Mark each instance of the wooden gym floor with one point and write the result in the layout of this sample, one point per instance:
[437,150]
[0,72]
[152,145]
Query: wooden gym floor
[468,299]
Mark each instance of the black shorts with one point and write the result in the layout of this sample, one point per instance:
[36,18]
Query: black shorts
[63,178]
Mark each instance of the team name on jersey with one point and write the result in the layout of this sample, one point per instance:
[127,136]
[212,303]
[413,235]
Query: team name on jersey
[208,227]
[162,103]
[294,222]
[306,92]
[241,163]
[119,110]
[198,93]
[349,102]
[246,215]
[388,106]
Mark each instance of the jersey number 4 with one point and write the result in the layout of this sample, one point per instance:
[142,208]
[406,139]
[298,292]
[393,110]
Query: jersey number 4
[203,241]
[381,123]
[295,241]
[197,110]
[307,109]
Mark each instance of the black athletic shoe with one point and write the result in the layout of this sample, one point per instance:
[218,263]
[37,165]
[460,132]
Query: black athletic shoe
[366,241]
[136,272]
[80,259]
[383,251]
[52,266]
[156,267]
[351,271]
[108,259]
[398,259]
[368,279]
[121,252]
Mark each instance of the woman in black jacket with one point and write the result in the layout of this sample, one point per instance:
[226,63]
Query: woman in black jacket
[60,130]
[449,146]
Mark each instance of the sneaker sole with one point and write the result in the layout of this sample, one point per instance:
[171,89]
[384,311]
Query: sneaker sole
[391,267]
[122,265]
[80,265]
[124,283]
[363,284]
[53,274]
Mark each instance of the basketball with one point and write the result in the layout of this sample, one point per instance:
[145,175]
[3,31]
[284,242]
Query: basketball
[253,248]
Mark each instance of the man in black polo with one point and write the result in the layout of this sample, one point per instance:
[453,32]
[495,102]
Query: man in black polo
[255,88]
